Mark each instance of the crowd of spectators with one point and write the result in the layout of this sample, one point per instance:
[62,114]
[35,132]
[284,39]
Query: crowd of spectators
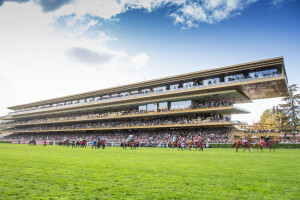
[134,111]
[212,135]
[199,118]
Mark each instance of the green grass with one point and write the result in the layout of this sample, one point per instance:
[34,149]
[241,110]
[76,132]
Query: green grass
[147,173]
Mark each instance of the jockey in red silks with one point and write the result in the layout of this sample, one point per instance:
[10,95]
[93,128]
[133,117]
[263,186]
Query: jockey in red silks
[196,139]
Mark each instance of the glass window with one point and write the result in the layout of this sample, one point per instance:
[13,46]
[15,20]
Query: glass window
[81,101]
[143,108]
[134,92]
[188,85]
[106,97]
[251,74]
[145,91]
[239,76]
[210,81]
[160,89]
[259,74]
[114,95]
[266,72]
[89,99]
[181,105]
[124,94]
[205,82]
[152,107]
[216,80]
[163,105]
[174,87]
[97,98]
[273,71]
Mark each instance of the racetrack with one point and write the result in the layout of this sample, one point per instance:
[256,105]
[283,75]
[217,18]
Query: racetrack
[54,172]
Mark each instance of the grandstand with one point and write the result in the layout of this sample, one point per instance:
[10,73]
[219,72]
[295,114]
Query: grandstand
[198,101]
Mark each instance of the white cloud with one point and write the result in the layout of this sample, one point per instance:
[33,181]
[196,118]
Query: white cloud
[191,14]
[186,12]
[139,61]
[34,65]
[82,29]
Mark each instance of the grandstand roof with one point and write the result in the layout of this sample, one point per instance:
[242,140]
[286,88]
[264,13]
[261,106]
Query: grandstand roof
[278,88]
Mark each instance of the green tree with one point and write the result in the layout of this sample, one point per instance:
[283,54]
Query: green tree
[291,106]
[266,114]
[272,120]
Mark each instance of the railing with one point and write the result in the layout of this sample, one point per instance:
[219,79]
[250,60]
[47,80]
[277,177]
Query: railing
[130,126]
[120,115]
[145,94]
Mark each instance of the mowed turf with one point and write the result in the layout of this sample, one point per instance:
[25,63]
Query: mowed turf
[55,172]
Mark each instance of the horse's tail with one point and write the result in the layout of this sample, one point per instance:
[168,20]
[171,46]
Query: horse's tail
[233,144]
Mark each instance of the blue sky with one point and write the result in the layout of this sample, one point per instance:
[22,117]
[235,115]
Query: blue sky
[56,48]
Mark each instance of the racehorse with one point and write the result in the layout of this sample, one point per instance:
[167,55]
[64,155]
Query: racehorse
[238,143]
[64,143]
[172,144]
[271,145]
[32,142]
[196,145]
[83,144]
[99,144]
[125,144]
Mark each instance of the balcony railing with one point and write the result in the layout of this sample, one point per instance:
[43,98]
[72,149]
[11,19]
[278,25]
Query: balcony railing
[139,126]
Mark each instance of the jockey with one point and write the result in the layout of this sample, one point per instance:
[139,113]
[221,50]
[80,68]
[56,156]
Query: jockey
[99,138]
[174,138]
[267,140]
[196,139]
[244,140]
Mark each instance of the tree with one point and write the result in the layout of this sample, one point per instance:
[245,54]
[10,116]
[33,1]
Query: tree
[275,121]
[291,106]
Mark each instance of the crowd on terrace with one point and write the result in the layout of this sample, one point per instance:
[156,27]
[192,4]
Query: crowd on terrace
[171,87]
[133,111]
[212,135]
[199,118]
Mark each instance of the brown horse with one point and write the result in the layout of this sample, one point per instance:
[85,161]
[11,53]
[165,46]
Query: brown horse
[172,144]
[238,143]
[126,144]
[98,144]
[130,143]
[271,145]
[191,143]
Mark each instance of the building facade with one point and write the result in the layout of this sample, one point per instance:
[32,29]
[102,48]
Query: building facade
[193,101]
